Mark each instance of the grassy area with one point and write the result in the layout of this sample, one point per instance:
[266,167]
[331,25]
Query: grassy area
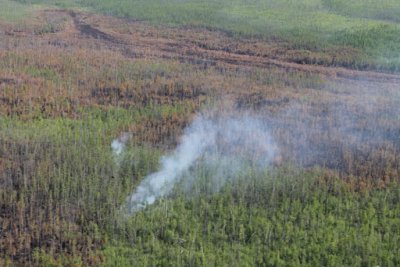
[51,3]
[384,10]
[329,195]
[371,28]
[265,221]
[315,25]
[63,182]
[281,216]
[58,123]
[12,11]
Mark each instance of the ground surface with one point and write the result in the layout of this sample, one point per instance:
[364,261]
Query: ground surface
[71,81]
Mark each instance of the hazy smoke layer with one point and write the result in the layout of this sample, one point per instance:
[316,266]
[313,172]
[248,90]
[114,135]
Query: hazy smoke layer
[211,140]
[118,144]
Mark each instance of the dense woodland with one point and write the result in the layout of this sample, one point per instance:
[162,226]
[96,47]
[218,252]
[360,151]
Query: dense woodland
[74,76]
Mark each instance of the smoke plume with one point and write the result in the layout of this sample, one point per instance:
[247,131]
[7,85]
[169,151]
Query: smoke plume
[118,144]
[221,141]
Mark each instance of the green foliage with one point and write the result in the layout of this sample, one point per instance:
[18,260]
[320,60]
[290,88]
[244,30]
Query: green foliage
[57,3]
[67,169]
[46,73]
[12,11]
[62,190]
[381,41]
[382,10]
[282,216]
[279,218]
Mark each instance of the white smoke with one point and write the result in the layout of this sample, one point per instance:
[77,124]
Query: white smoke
[118,144]
[214,140]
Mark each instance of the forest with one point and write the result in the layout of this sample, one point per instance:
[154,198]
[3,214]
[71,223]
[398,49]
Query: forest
[199,133]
